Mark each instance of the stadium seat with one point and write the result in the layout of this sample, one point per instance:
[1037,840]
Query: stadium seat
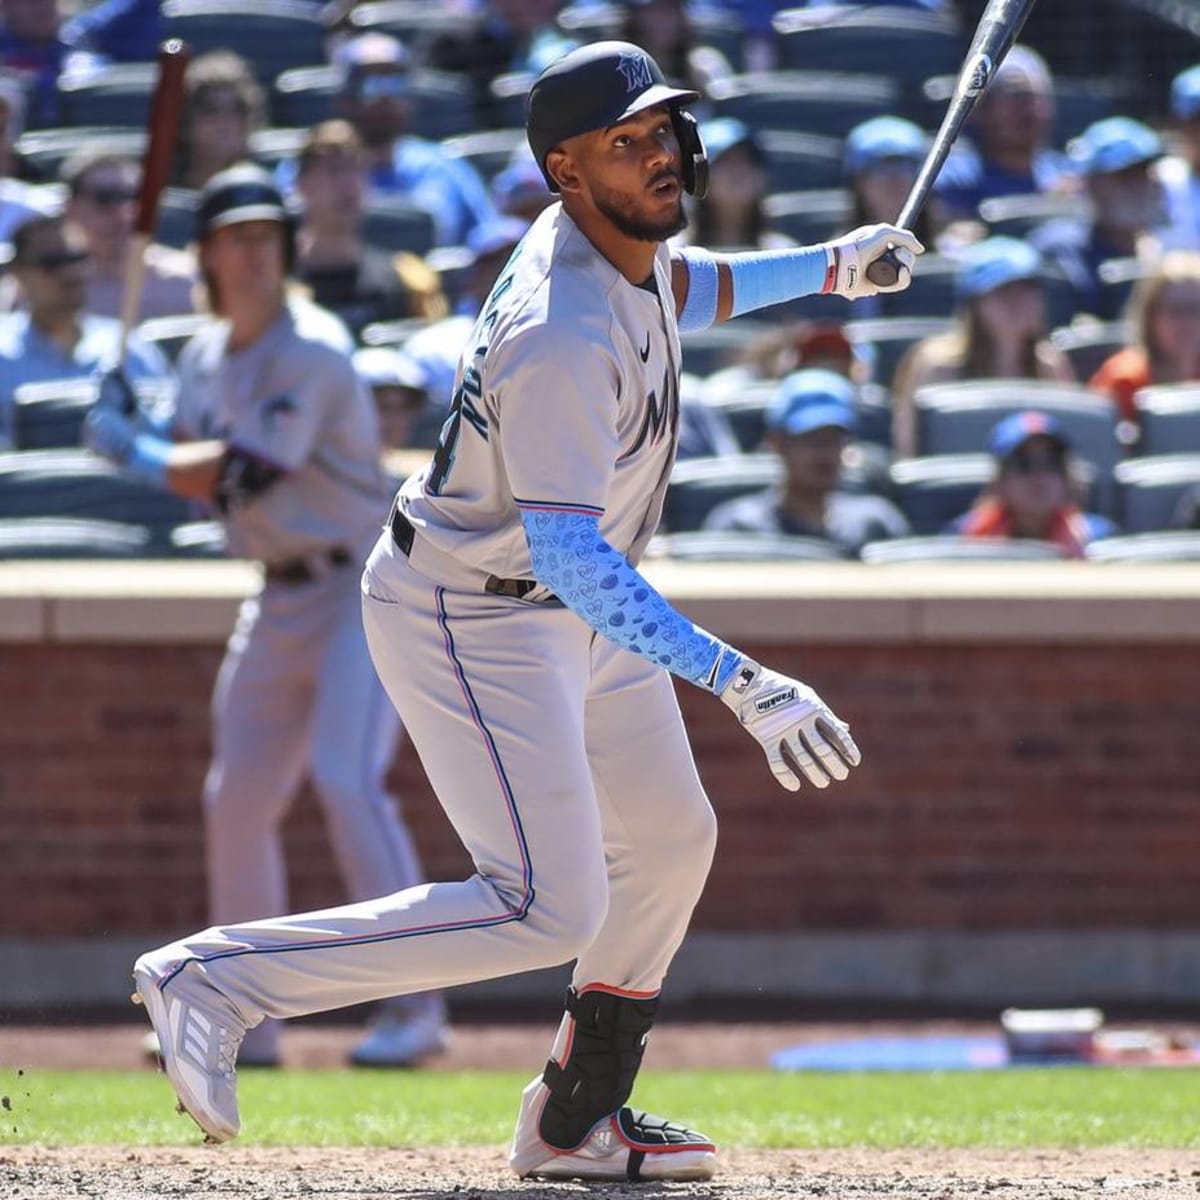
[809,216]
[1149,489]
[274,145]
[710,546]
[303,96]
[902,45]
[698,485]
[949,548]
[171,334]
[956,418]
[117,94]
[933,491]
[45,150]
[408,20]
[708,350]
[272,35]
[75,483]
[71,537]
[1015,216]
[884,340]
[177,217]
[592,22]
[873,416]
[396,225]
[745,407]
[809,101]
[392,333]
[1182,545]
[1170,419]
[198,539]
[798,162]
[1117,279]
[50,414]
[488,151]
[1088,345]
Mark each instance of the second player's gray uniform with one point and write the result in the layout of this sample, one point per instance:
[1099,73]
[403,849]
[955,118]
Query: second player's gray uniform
[297,691]
[560,758]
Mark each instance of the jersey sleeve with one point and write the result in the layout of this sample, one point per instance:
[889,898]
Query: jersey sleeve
[556,403]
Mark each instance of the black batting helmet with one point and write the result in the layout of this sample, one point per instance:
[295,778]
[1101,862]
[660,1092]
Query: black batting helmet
[243,192]
[600,84]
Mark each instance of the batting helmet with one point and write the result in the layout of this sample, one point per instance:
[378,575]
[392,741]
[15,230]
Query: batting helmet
[600,84]
[243,192]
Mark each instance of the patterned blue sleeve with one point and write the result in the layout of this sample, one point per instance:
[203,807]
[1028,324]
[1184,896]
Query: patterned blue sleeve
[597,583]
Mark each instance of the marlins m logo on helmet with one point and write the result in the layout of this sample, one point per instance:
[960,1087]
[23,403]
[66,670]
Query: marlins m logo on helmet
[636,70]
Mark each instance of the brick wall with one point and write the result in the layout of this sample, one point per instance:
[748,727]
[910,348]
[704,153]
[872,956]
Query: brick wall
[1005,787]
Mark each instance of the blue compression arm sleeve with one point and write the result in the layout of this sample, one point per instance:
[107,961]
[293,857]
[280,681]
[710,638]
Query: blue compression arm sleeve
[765,277]
[598,584]
[700,307]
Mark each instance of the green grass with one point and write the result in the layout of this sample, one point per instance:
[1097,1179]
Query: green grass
[1054,1107]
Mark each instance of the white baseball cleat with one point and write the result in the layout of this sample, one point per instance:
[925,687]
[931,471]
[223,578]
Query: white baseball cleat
[627,1144]
[198,1038]
[397,1042]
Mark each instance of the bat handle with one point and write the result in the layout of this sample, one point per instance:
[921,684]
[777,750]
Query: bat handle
[885,270]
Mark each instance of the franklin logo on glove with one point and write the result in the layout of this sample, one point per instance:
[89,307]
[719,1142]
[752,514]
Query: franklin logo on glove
[769,702]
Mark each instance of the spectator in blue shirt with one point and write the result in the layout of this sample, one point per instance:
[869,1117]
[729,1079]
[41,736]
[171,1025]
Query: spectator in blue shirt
[809,423]
[1180,174]
[32,46]
[1009,151]
[374,100]
[118,30]
[53,337]
[1116,156]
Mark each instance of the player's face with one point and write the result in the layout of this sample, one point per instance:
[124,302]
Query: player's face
[634,174]
[246,261]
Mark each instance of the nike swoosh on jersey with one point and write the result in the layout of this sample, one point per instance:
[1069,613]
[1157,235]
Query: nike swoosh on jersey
[646,353]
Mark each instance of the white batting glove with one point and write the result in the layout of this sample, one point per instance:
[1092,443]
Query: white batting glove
[850,256]
[802,737]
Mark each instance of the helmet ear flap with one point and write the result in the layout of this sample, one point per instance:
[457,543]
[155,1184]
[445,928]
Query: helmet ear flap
[691,148]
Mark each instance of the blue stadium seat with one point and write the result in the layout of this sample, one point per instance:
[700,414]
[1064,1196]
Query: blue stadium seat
[1150,489]
[45,150]
[1170,419]
[949,548]
[75,483]
[933,491]
[50,414]
[745,407]
[820,102]
[272,35]
[708,350]
[198,539]
[955,418]
[303,97]
[1015,216]
[408,20]
[117,94]
[1088,345]
[886,339]
[171,334]
[177,217]
[906,46]
[798,162]
[592,22]
[815,215]
[698,485]
[488,150]
[709,546]
[396,225]
[1181,545]
[71,537]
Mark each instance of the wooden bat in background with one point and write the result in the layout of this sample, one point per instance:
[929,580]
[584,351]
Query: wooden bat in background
[163,129]
[998,28]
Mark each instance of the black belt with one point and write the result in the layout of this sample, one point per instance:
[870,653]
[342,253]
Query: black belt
[294,571]
[516,589]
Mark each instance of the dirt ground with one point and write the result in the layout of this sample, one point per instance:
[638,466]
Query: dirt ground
[253,1173]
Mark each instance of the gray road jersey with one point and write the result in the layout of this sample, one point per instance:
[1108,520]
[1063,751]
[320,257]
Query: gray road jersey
[567,397]
[294,400]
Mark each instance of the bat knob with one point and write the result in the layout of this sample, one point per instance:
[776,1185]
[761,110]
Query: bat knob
[885,270]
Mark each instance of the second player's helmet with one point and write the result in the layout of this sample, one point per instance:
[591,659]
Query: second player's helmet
[598,85]
[243,192]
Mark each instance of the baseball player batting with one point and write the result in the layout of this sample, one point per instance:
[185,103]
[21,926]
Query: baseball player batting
[281,438]
[530,659]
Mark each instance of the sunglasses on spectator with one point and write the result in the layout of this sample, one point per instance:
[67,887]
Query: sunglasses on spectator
[216,105]
[381,87]
[54,260]
[109,197]
[1042,461]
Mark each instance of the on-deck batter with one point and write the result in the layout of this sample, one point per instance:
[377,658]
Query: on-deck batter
[283,437]
[525,652]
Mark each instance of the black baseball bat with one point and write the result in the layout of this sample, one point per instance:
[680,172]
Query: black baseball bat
[998,28]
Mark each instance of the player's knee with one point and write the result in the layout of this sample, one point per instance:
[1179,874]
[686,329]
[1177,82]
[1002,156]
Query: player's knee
[570,919]
[693,841]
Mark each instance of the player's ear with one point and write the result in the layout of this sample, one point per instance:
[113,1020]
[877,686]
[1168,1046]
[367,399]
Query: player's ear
[563,169]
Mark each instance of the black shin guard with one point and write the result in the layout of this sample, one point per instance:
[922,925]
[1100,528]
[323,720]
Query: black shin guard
[605,1052]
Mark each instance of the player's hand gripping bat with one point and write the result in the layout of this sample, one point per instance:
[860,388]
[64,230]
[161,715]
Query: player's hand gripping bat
[998,29]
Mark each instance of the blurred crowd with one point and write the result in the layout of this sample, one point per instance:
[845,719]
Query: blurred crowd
[1036,391]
